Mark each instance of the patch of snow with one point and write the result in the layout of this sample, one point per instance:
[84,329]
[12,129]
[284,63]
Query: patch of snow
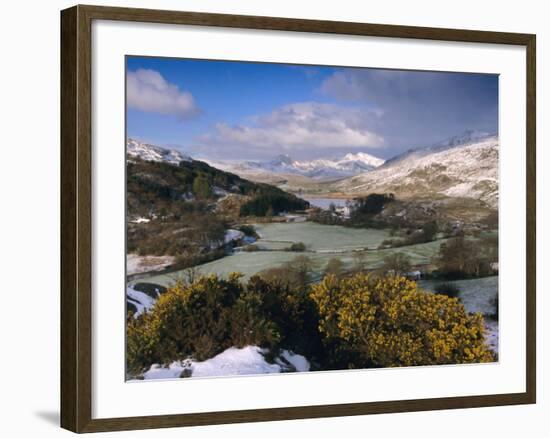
[140,220]
[235,361]
[172,371]
[249,360]
[218,191]
[232,235]
[136,264]
[294,217]
[231,362]
[247,240]
[299,362]
[142,301]
[364,158]
[188,196]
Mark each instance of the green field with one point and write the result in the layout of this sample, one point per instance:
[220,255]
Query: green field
[323,242]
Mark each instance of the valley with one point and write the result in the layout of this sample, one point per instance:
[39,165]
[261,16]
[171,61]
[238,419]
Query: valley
[189,218]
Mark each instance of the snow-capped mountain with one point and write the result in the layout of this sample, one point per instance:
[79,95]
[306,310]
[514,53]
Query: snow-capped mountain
[149,152]
[465,167]
[323,168]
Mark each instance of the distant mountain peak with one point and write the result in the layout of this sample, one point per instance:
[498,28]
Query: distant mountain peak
[150,152]
[282,159]
[363,157]
[350,164]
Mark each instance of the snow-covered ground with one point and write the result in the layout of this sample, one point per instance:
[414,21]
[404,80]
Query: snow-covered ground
[232,236]
[141,300]
[249,360]
[491,335]
[136,264]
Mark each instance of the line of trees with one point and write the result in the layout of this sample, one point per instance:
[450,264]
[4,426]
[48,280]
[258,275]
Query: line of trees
[270,203]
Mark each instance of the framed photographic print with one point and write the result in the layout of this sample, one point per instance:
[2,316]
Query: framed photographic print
[268,218]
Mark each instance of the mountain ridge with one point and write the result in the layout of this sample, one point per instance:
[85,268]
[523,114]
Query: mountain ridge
[457,170]
[151,152]
[467,137]
[321,168]
[463,166]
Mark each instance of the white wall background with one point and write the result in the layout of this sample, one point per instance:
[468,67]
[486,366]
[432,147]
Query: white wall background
[29,218]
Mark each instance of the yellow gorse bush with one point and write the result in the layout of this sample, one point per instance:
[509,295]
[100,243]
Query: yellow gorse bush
[390,322]
[205,317]
[186,321]
[352,322]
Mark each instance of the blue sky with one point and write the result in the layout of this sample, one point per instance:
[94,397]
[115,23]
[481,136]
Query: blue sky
[242,110]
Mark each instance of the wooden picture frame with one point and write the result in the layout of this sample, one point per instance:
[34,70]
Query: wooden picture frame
[76,217]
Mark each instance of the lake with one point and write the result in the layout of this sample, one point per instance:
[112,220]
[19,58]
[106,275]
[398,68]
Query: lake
[324,203]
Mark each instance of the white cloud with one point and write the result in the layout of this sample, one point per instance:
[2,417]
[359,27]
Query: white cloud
[147,90]
[302,125]
[419,108]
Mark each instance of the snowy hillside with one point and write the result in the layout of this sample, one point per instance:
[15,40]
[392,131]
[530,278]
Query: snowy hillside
[467,168]
[149,152]
[466,138]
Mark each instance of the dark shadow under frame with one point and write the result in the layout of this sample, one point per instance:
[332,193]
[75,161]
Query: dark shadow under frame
[76,225]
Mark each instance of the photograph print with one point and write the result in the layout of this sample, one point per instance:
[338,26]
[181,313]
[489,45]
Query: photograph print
[296,218]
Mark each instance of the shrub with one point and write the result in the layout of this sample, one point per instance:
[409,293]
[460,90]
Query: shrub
[186,321]
[269,203]
[248,230]
[292,311]
[325,217]
[397,263]
[297,247]
[334,267]
[388,322]
[448,289]
[429,231]
[296,273]
[202,187]
[359,260]
[460,257]
[190,260]
[203,318]
[371,204]
[248,324]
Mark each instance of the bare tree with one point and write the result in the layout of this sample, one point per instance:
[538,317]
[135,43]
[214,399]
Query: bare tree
[359,260]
